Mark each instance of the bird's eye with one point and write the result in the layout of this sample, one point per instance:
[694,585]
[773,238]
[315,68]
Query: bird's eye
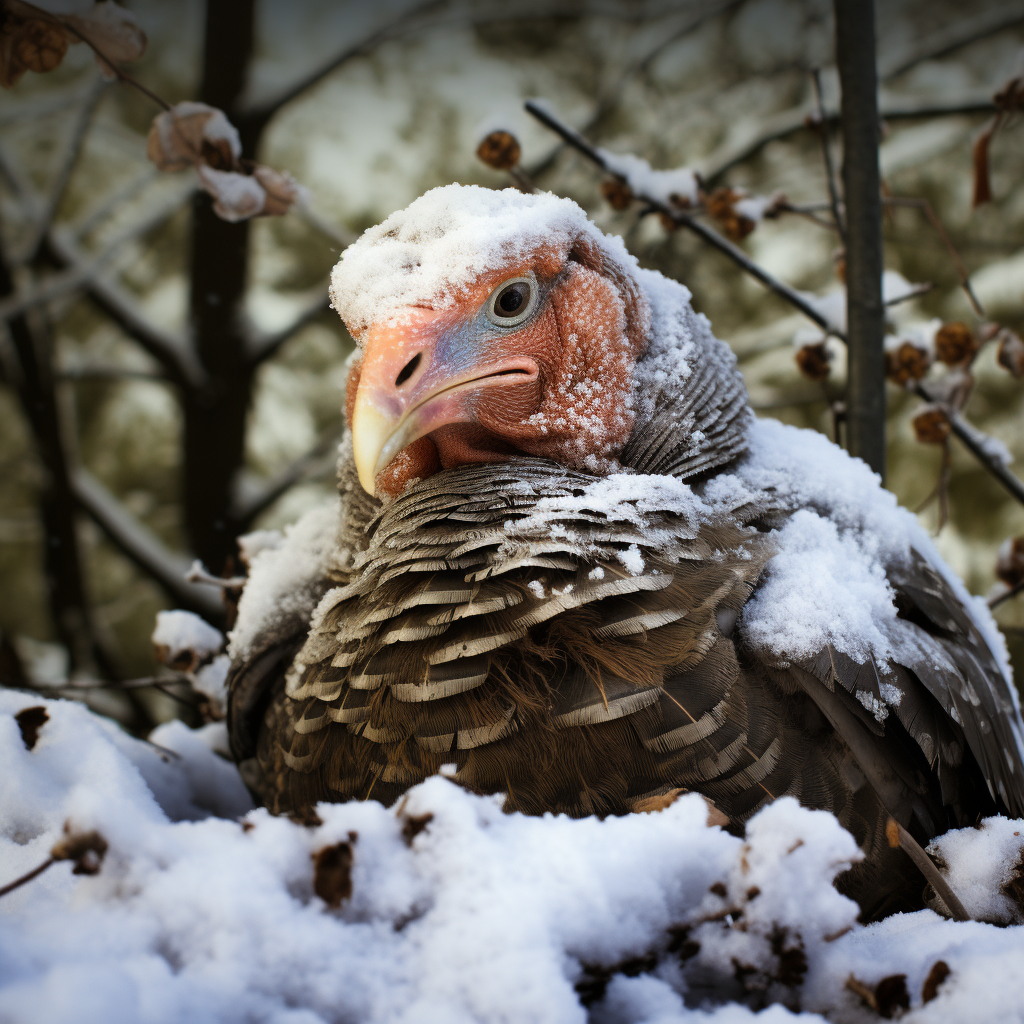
[512,302]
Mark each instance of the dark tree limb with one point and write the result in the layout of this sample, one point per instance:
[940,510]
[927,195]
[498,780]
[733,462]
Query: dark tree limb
[142,546]
[865,313]
[708,234]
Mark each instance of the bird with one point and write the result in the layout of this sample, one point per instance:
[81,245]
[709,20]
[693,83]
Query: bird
[568,565]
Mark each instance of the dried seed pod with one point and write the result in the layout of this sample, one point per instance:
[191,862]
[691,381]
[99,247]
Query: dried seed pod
[191,134]
[499,150]
[814,361]
[931,425]
[40,45]
[721,204]
[667,222]
[1010,354]
[1010,561]
[113,30]
[955,343]
[281,190]
[907,364]
[617,193]
[86,849]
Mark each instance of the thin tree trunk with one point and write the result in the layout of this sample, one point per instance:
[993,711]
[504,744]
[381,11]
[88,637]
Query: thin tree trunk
[215,416]
[855,57]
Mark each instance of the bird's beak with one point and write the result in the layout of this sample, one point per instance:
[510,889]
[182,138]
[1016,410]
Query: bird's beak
[417,377]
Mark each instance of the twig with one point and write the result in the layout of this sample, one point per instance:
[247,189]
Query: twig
[198,573]
[246,511]
[708,234]
[34,873]
[143,547]
[264,345]
[913,850]
[961,269]
[955,37]
[826,151]
[1017,588]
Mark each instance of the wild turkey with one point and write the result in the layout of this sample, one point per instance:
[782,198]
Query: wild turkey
[589,577]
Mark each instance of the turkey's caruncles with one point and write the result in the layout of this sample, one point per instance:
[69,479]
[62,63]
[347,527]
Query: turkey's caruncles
[570,564]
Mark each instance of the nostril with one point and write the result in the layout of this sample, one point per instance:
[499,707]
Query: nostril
[408,370]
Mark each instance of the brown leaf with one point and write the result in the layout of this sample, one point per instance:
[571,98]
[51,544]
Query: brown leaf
[86,849]
[190,134]
[281,190]
[936,976]
[931,425]
[955,343]
[499,150]
[649,804]
[814,361]
[907,364]
[29,41]
[617,193]
[1010,354]
[111,29]
[979,159]
[1010,561]
[891,994]
[30,721]
[332,873]
[413,825]
[721,204]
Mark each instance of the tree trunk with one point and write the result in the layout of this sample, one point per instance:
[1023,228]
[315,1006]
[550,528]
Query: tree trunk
[855,57]
[215,416]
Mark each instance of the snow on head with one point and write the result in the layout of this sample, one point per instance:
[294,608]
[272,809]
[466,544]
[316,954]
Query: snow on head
[430,252]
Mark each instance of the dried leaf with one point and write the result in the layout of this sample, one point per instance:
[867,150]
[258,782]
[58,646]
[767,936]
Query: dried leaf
[1010,354]
[1010,561]
[235,196]
[413,825]
[112,30]
[907,364]
[814,361]
[955,343]
[499,150]
[86,849]
[332,873]
[282,190]
[191,134]
[721,204]
[30,721]
[891,995]
[650,804]
[617,193]
[979,160]
[931,425]
[28,42]
[936,976]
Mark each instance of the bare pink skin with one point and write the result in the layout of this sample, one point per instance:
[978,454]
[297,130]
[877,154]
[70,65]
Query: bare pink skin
[556,387]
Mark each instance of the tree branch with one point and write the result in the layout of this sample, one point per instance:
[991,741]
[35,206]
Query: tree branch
[172,351]
[142,546]
[263,345]
[247,509]
[865,313]
[708,234]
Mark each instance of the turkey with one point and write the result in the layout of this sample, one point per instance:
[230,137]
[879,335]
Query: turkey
[569,564]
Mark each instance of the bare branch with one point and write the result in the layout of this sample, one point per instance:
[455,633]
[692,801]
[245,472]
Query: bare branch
[249,507]
[1017,588]
[709,235]
[172,351]
[953,37]
[142,546]
[826,151]
[71,153]
[263,345]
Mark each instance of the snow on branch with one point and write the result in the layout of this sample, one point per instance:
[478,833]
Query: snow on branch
[142,546]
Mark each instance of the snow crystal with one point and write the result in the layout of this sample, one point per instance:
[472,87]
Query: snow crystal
[679,184]
[430,252]
[285,582]
[632,560]
[181,632]
[483,916]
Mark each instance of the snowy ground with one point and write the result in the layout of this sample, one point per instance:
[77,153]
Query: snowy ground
[446,909]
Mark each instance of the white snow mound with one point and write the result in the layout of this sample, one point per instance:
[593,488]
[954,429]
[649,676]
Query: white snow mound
[457,912]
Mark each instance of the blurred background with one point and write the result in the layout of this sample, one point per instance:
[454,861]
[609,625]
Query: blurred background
[169,381]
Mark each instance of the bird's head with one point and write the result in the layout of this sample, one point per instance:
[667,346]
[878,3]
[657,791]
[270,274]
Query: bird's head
[489,324]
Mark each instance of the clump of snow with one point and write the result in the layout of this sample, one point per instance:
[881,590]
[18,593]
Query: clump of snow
[632,560]
[979,862]
[182,633]
[480,916]
[430,252]
[678,186]
[251,544]
[285,581]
